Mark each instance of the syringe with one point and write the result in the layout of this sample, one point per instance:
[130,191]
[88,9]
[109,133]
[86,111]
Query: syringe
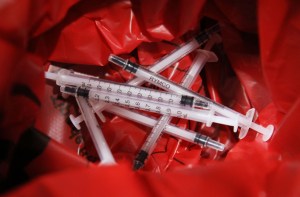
[65,77]
[170,129]
[244,122]
[179,111]
[199,61]
[98,139]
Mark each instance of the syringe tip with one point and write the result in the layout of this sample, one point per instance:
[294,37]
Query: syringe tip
[137,165]
[140,160]
[215,145]
[208,142]
[51,76]
[117,60]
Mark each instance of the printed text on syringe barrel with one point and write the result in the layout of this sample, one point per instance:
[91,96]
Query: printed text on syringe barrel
[132,91]
[138,92]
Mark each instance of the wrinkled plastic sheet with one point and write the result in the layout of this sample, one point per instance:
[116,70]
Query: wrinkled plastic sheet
[41,153]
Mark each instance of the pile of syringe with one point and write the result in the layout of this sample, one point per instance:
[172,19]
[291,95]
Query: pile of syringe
[94,95]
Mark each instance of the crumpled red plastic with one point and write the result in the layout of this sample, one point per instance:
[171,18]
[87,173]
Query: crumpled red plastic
[41,153]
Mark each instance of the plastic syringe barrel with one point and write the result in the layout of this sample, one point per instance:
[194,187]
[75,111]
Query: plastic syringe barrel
[143,104]
[99,141]
[65,77]
[170,129]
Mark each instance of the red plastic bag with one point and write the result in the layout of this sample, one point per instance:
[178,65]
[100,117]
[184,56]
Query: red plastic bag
[42,154]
